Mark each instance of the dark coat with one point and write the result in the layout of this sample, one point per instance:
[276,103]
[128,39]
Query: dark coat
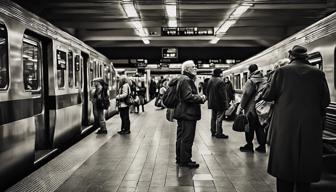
[189,105]
[216,94]
[301,96]
[230,92]
[247,101]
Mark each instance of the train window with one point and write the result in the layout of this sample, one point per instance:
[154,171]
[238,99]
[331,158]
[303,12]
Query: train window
[91,74]
[315,59]
[245,77]
[237,81]
[61,66]
[70,68]
[77,71]
[3,58]
[31,56]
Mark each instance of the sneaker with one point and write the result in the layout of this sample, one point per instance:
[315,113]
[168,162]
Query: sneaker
[247,148]
[221,136]
[261,149]
[102,132]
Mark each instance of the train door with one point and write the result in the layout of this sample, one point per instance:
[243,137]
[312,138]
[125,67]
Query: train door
[85,106]
[36,85]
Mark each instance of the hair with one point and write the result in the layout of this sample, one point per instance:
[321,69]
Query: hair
[281,63]
[187,64]
[123,80]
[217,72]
[252,68]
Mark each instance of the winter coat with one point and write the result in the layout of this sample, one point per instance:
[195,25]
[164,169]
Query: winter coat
[216,94]
[124,91]
[301,96]
[230,92]
[247,101]
[188,107]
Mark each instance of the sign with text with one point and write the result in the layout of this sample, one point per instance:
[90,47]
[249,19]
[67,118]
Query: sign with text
[187,31]
[169,53]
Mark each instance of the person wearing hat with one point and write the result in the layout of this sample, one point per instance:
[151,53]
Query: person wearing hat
[301,95]
[217,102]
[248,103]
[99,88]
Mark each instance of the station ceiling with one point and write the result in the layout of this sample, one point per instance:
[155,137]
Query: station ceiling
[104,23]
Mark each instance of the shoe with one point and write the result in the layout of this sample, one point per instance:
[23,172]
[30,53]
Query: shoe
[121,132]
[190,165]
[247,148]
[178,162]
[127,132]
[102,132]
[261,149]
[221,136]
[213,134]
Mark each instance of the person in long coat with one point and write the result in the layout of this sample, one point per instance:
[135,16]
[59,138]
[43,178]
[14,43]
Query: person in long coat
[301,95]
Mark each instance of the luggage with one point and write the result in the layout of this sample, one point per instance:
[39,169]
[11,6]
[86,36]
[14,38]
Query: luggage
[170,115]
[230,113]
[158,102]
[240,123]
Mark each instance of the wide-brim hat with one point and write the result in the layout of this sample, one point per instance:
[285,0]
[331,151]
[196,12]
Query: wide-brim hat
[298,52]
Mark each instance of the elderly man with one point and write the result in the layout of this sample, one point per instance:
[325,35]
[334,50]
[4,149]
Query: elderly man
[188,112]
[301,96]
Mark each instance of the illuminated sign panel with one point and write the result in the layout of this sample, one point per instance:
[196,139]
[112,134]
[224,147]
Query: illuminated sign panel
[187,31]
[169,53]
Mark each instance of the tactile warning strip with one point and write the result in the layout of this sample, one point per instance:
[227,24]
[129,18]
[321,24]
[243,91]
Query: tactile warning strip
[50,176]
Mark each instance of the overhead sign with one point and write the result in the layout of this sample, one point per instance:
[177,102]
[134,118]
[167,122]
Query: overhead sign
[169,53]
[186,31]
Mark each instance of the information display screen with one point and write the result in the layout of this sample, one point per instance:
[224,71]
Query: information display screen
[169,53]
[187,31]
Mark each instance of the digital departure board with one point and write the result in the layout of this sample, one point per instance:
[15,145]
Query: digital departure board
[186,31]
[169,53]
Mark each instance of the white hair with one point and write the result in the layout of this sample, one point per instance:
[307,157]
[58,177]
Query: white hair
[187,64]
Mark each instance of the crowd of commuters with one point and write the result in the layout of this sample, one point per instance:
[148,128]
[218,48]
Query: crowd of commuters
[299,94]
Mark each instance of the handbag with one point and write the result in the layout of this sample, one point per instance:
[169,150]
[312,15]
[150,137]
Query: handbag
[240,123]
[170,115]
[158,101]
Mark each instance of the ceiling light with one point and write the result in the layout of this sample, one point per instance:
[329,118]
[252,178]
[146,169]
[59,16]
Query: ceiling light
[145,41]
[130,9]
[172,23]
[240,10]
[171,10]
[214,40]
[225,27]
[136,24]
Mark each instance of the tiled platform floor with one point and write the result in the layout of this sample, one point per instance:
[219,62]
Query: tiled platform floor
[144,161]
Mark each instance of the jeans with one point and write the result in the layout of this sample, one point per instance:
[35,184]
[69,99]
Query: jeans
[124,115]
[99,117]
[254,125]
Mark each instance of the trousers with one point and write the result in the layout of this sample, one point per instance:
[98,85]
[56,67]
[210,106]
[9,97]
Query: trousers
[216,122]
[125,121]
[187,140]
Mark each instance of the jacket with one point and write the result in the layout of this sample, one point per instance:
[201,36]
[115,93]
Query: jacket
[301,96]
[216,94]
[230,92]
[188,107]
[247,101]
[124,91]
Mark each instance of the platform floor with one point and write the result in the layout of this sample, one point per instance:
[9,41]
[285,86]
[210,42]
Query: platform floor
[144,161]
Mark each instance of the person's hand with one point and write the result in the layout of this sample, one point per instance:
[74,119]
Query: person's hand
[239,109]
[203,98]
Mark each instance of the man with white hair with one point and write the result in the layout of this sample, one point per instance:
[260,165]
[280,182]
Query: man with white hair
[188,112]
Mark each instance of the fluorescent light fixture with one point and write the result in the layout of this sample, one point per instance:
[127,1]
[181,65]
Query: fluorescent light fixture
[136,24]
[214,40]
[142,32]
[171,10]
[225,27]
[145,41]
[240,10]
[130,9]
[172,23]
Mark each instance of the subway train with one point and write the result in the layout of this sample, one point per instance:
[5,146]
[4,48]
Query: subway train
[319,39]
[45,80]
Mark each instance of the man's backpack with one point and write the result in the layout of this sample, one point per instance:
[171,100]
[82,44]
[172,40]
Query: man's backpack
[263,108]
[170,98]
[105,100]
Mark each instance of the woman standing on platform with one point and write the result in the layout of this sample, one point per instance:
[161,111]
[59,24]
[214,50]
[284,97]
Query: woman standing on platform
[124,92]
[142,95]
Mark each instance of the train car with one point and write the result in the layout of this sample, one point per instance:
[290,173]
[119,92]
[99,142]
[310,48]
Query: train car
[319,39]
[45,79]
